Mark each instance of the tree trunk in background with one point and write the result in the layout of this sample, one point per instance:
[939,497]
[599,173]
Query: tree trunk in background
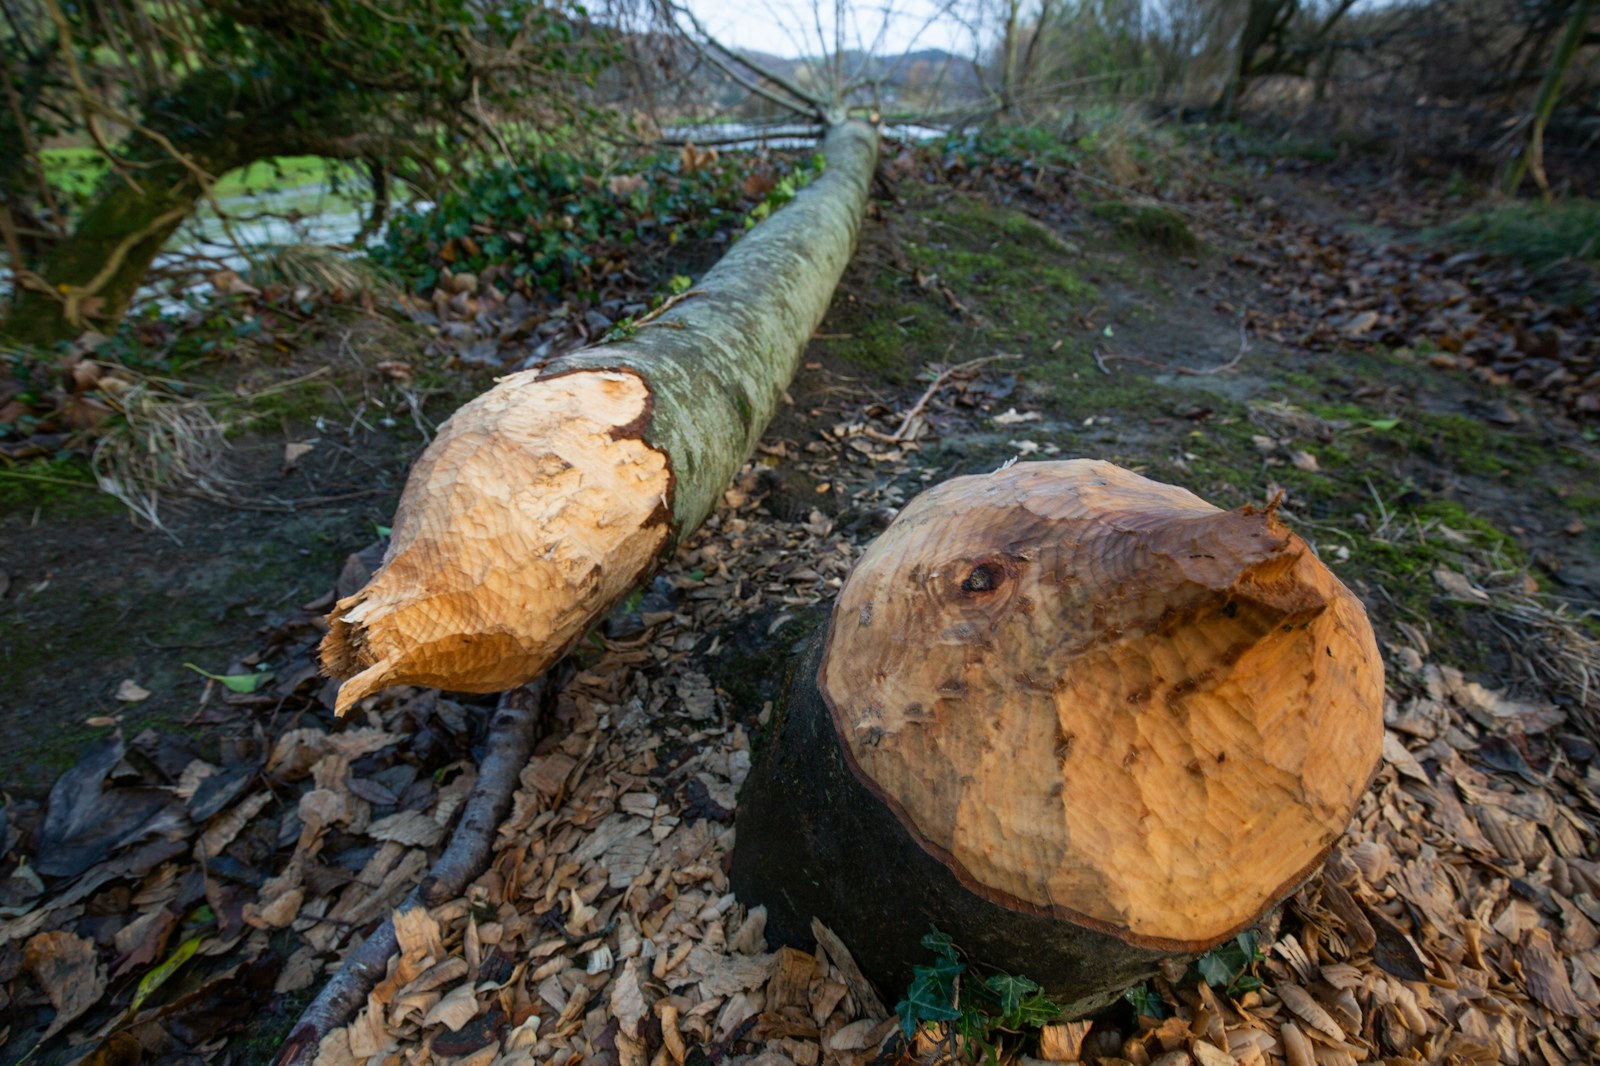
[93,274]
[1531,158]
[543,501]
[89,278]
[1079,721]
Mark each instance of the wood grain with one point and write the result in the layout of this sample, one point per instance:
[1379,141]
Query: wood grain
[1099,697]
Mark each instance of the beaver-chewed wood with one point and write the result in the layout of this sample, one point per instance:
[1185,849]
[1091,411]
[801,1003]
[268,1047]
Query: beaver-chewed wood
[1079,720]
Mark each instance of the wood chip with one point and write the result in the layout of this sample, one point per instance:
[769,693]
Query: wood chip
[1307,1009]
[1547,974]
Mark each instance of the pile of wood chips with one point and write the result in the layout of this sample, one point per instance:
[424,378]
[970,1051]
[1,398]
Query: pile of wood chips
[1455,923]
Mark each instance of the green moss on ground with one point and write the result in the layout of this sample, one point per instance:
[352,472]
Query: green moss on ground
[1152,225]
[60,487]
[1014,279]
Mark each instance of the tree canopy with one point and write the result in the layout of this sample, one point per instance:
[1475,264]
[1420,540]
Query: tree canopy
[171,94]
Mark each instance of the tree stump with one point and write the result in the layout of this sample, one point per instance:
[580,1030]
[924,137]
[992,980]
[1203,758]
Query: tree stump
[1079,720]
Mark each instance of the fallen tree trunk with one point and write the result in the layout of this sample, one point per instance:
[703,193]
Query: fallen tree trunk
[543,501]
[1080,721]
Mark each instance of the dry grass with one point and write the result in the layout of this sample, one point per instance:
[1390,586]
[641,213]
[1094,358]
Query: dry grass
[321,270]
[163,443]
[1557,651]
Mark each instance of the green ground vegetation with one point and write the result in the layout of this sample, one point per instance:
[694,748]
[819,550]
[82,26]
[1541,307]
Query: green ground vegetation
[1532,232]
[1156,225]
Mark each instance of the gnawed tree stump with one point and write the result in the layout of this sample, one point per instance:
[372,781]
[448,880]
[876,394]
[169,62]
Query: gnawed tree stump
[1079,720]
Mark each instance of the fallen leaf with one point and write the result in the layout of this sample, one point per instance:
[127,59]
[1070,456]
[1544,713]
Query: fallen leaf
[294,451]
[1458,586]
[85,822]
[1359,324]
[158,976]
[1304,461]
[243,684]
[142,941]
[130,691]
[64,964]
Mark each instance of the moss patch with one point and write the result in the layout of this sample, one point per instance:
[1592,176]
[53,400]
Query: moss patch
[953,276]
[1152,225]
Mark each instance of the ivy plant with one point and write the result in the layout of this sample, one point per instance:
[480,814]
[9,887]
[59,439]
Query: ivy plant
[976,1012]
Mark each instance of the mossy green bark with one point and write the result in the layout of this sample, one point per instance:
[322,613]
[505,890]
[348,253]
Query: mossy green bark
[93,274]
[718,363]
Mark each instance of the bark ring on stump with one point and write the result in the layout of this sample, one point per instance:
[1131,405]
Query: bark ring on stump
[1079,720]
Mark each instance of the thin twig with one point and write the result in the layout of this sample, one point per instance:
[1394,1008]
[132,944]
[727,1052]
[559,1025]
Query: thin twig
[1101,357]
[938,383]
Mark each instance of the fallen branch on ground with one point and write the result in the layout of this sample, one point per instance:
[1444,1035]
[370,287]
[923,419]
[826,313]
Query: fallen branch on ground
[509,744]
[540,504]
[939,383]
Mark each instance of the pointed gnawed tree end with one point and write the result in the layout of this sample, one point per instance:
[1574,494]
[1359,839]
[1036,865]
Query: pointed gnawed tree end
[537,500]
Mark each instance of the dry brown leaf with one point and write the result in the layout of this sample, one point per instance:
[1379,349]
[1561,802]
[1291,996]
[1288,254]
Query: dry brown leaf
[225,827]
[276,912]
[67,970]
[130,691]
[143,940]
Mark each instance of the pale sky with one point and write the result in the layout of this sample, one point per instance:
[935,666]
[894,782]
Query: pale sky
[789,27]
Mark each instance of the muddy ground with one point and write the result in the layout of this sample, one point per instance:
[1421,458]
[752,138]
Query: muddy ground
[1464,513]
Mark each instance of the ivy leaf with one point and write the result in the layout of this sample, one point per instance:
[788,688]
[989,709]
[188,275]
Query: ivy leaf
[1012,991]
[1215,971]
[939,943]
[1145,1003]
[929,999]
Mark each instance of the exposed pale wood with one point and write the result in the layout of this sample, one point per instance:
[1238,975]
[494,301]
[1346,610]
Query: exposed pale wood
[544,500]
[1101,698]
[537,499]
[1084,723]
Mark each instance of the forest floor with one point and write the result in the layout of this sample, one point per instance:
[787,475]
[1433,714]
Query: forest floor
[1276,329]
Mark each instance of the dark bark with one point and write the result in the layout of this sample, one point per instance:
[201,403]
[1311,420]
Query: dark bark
[91,276]
[814,841]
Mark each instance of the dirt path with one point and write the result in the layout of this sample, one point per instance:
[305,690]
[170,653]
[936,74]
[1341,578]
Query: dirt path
[605,928]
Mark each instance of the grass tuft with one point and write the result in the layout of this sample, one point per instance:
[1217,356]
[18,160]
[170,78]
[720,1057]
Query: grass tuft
[1151,224]
[1537,235]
